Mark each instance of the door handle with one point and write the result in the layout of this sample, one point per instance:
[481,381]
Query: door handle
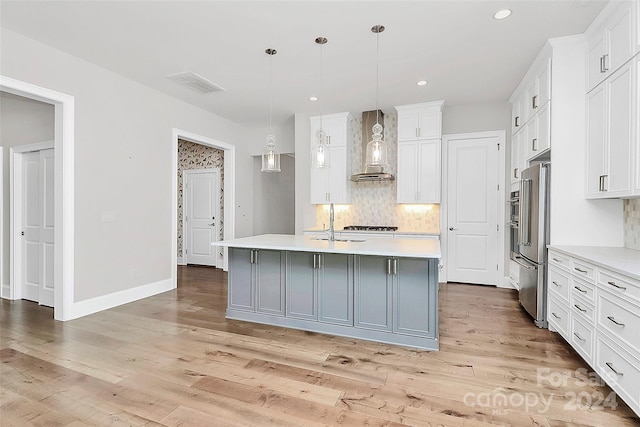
[22,233]
[452,228]
[212,224]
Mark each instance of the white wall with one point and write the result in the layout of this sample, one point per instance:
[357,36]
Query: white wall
[476,117]
[123,164]
[284,133]
[22,121]
[273,197]
[305,212]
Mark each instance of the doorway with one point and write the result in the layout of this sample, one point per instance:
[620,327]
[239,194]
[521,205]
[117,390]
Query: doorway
[63,276]
[33,222]
[201,218]
[473,187]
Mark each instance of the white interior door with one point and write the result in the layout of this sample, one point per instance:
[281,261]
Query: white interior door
[37,226]
[472,212]
[202,220]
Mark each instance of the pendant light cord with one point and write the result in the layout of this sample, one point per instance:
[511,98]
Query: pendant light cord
[377,73]
[321,139]
[270,92]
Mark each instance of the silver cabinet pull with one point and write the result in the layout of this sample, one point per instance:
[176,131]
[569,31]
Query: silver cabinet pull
[315,261]
[614,321]
[388,266]
[452,228]
[253,256]
[617,286]
[604,63]
[581,271]
[601,185]
[534,102]
[602,70]
[556,316]
[534,144]
[580,308]
[580,289]
[556,283]
[320,260]
[557,260]
[517,121]
[515,172]
[395,266]
[579,337]
[610,366]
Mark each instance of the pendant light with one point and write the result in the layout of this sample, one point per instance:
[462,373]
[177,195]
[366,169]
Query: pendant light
[377,148]
[320,152]
[270,157]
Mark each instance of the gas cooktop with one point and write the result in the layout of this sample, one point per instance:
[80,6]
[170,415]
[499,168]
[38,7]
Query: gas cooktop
[370,228]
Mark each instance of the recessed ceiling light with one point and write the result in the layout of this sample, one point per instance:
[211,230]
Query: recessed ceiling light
[501,14]
[313,98]
[422,83]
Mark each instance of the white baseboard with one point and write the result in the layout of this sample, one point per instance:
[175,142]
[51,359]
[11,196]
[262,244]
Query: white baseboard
[182,261]
[6,292]
[105,302]
[507,283]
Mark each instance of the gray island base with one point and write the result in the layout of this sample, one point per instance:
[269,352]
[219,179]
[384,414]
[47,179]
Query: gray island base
[382,289]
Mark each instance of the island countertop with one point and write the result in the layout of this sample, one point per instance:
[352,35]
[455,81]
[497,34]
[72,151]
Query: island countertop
[381,246]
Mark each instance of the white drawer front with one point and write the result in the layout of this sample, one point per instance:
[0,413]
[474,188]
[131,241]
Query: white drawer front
[583,289]
[619,285]
[619,370]
[558,282]
[620,318]
[584,271]
[559,260]
[582,338]
[559,317]
[584,309]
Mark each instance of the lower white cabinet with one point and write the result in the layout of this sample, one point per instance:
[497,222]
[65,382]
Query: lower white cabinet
[597,311]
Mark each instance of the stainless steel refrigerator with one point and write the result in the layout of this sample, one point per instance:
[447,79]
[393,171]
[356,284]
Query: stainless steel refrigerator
[533,239]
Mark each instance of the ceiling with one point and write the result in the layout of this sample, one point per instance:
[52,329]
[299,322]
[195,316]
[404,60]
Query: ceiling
[465,55]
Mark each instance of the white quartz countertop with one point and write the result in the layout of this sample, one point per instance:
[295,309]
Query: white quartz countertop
[620,260]
[382,246]
[390,233]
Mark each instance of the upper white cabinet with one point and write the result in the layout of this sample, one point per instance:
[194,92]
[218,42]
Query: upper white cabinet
[331,185]
[611,41]
[610,134]
[419,160]
[420,121]
[539,89]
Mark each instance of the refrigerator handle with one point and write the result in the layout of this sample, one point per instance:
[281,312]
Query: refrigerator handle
[524,237]
[522,264]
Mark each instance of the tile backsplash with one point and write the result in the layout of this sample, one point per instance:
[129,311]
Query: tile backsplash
[632,223]
[374,203]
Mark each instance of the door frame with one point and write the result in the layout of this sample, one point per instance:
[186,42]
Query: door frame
[15,213]
[229,189]
[184,208]
[64,125]
[444,236]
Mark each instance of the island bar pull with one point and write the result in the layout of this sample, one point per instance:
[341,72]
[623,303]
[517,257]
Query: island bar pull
[579,337]
[315,261]
[388,266]
[252,259]
[580,308]
[395,266]
[580,289]
[614,321]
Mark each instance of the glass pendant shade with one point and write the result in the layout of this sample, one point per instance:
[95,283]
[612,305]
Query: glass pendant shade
[270,157]
[320,153]
[376,148]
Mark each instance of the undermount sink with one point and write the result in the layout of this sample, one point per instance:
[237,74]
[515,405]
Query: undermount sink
[340,240]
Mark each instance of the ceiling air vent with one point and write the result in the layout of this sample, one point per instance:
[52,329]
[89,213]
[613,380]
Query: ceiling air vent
[196,82]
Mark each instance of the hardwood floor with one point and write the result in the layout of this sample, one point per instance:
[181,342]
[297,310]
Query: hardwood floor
[174,360]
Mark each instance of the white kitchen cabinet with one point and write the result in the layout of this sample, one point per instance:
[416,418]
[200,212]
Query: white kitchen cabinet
[538,133]
[610,134]
[518,114]
[611,43]
[539,89]
[331,185]
[517,156]
[418,174]
[420,121]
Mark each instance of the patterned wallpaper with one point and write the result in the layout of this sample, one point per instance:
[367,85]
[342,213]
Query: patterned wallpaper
[374,203]
[632,223]
[196,156]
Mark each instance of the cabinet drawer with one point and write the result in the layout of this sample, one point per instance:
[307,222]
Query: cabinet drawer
[559,260]
[582,338]
[559,317]
[559,283]
[583,289]
[618,285]
[584,309]
[620,319]
[584,271]
[619,369]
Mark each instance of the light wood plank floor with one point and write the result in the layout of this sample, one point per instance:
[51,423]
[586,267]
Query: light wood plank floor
[174,360]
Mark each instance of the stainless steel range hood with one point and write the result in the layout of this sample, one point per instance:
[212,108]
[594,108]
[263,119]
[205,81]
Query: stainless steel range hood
[371,173]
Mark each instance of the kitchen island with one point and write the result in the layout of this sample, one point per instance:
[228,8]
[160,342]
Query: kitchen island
[378,289]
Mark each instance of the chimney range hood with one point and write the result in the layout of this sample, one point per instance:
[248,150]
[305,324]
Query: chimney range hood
[371,173]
